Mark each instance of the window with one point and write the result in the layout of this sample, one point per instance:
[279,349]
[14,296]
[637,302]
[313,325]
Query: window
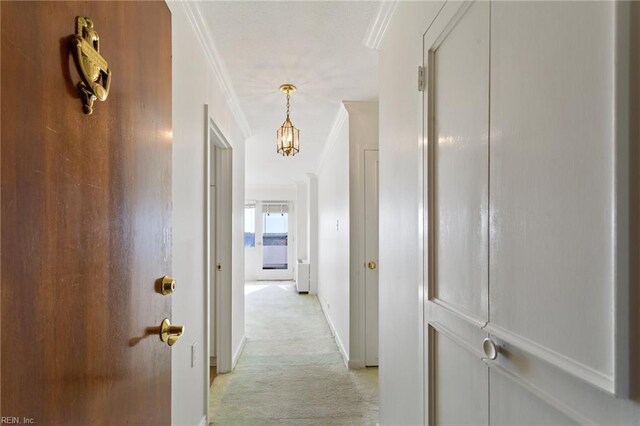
[249,225]
[275,235]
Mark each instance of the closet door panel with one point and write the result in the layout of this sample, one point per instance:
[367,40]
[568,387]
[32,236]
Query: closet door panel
[456,50]
[459,72]
[513,405]
[459,382]
[552,184]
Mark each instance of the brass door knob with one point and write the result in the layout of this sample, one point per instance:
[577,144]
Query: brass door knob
[167,285]
[372,265]
[170,333]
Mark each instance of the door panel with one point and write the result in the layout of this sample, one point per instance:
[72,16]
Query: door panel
[457,52]
[459,66]
[371,255]
[86,217]
[513,405]
[459,383]
[552,183]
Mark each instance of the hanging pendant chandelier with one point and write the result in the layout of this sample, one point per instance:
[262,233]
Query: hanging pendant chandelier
[288,137]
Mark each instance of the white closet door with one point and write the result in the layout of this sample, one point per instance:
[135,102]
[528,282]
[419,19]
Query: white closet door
[457,52]
[371,287]
[528,203]
[558,200]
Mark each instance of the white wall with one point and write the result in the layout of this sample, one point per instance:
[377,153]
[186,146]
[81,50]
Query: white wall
[312,220]
[270,192]
[302,221]
[333,236]
[401,340]
[340,200]
[194,85]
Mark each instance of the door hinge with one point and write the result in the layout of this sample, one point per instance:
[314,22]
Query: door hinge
[421,79]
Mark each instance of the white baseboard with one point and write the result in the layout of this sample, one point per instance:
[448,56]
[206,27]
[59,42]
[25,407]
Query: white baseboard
[213,361]
[203,422]
[237,353]
[336,337]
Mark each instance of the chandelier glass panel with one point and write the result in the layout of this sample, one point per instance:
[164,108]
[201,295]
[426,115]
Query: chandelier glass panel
[287,136]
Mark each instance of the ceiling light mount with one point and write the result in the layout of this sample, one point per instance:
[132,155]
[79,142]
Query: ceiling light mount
[288,88]
[287,136]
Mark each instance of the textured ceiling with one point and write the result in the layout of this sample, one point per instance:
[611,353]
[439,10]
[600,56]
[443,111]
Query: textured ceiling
[318,46]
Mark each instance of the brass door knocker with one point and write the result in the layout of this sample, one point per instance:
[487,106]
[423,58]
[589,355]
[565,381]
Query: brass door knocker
[93,68]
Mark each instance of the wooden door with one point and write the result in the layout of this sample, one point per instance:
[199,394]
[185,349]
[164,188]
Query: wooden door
[530,158]
[86,217]
[371,255]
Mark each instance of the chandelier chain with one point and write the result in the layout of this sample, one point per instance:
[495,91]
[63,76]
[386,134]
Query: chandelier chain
[288,104]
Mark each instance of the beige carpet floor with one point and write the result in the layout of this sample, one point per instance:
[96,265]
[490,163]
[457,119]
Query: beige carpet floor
[291,371]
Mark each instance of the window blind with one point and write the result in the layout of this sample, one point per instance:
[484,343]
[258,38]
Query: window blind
[275,207]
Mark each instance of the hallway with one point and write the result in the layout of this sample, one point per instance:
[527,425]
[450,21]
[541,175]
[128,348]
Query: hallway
[291,371]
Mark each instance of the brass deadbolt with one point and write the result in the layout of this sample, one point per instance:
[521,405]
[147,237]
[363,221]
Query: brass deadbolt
[170,333]
[167,286]
[372,265]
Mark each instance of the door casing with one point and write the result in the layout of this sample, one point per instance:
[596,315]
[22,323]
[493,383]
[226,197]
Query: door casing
[218,283]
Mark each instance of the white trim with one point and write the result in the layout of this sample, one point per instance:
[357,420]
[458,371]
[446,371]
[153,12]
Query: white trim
[361,107]
[199,25]
[623,86]
[238,352]
[336,337]
[562,362]
[223,284]
[458,311]
[338,122]
[378,26]
[424,212]
[203,420]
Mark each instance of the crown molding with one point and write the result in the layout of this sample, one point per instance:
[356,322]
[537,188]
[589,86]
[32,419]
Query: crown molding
[338,122]
[199,25]
[361,107]
[375,33]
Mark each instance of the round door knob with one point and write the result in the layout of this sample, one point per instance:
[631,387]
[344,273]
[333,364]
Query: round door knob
[490,349]
[372,265]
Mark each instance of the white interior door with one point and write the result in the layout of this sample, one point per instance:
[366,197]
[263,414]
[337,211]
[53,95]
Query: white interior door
[219,225]
[457,52]
[371,255]
[528,204]
[213,168]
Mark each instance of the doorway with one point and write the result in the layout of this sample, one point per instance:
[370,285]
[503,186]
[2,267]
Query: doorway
[269,240]
[275,236]
[218,217]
